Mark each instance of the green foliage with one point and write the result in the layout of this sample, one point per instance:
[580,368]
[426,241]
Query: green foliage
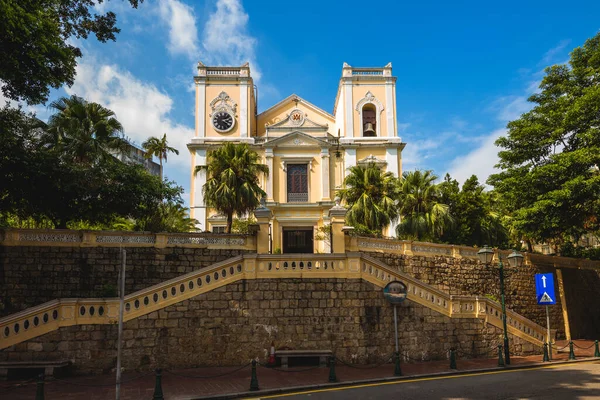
[476,217]
[423,215]
[36,38]
[370,195]
[277,250]
[233,185]
[568,249]
[158,147]
[44,184]
[323,233]
[166,217]
[108,290]
[242,225]
[550,181]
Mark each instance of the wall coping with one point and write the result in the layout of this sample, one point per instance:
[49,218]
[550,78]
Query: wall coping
[410,248]
[88,238]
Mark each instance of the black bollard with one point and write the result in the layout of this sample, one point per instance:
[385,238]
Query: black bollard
[332,376]
[500,358]
[39,392]
[596,350]
[397,369]
[254,379]
[546,358]
[158,392]
[452,359]
[571,351]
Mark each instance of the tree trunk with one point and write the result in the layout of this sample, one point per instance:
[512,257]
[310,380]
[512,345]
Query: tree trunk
[529,246]
[229,222]
[161,169]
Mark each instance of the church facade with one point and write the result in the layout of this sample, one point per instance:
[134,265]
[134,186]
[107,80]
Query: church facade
[308,150]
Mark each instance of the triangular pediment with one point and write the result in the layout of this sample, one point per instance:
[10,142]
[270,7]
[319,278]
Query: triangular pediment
[297,139]
[296,119]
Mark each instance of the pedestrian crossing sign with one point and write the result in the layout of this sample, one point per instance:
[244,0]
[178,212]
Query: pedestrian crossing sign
[544,289]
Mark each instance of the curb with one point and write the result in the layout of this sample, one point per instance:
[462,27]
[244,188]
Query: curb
[289,389]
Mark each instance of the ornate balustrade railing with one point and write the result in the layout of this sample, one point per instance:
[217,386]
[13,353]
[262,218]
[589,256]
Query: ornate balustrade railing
[52,315]
[407,247]
[56,237]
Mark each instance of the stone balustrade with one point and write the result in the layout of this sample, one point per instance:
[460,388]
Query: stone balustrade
[52,315]
[407,247]
[58,237]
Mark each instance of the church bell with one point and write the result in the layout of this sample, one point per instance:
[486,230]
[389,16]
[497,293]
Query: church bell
[369,130]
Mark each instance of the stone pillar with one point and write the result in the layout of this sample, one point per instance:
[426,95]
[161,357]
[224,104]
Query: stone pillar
[349,159]
[263,217]
[326,189]
[563,302]
[337,214]
[269,188]
[199,181]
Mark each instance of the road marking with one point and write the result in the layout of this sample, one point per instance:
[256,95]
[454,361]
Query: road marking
[433,378]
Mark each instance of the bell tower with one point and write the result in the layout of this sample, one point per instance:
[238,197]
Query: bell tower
[225,111]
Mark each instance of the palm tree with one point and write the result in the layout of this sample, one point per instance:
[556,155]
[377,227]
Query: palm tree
[422,215]
[82,130]
[159,148]
[233,180]
[370,195]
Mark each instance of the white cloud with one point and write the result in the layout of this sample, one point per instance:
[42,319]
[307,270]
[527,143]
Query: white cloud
[553,52]
[141,107]
[480,161]
[509,108]
[183,35]
[226,40]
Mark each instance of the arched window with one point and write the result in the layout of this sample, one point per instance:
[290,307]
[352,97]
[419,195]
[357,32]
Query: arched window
[369,120]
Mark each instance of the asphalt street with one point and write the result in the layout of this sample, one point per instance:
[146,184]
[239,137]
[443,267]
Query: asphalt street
[579,381]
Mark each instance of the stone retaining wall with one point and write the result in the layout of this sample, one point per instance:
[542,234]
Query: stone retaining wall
[467,277]
[31,275]
[235,323]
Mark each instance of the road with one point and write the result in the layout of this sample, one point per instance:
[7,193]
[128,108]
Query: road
[579,381]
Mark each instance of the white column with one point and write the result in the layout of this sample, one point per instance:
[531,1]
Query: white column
[391,157]
[389,108]
[244,108]
[326,189]
[199,206]
[200,108]
[348,109]
[349,160]
[269,189]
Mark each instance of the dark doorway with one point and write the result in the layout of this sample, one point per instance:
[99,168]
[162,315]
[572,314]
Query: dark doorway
[298,240]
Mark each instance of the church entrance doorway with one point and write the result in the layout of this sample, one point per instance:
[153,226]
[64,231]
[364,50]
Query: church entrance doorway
[298,240]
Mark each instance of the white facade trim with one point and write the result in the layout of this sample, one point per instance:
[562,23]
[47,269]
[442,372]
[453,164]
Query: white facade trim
[349,160]
[199,206]
[244,109]
[200,109]
[389,100]
[348,109]
[391,157]
[325,174]
[269,157]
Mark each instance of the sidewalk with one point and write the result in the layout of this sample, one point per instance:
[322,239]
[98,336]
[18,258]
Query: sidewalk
[177,387]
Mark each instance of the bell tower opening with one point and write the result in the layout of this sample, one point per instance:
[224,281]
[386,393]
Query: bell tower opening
[369,120]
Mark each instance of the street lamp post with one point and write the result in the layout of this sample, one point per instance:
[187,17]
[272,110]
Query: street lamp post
[515,260]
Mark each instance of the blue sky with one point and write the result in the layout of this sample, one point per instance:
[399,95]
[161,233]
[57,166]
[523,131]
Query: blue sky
[464,68]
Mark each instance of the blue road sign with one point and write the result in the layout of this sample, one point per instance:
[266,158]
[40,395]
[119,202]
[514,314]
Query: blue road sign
[544,289]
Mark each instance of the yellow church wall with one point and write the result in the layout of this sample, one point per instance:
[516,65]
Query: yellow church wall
[212,91]
[359,90]
[363,152]
[280,176]
[278,114]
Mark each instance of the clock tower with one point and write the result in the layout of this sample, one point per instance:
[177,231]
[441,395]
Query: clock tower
[225,111]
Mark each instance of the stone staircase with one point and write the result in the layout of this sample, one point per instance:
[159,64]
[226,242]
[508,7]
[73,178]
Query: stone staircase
[50,316]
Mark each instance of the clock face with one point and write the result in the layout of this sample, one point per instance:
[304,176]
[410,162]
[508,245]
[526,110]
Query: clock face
[222,121]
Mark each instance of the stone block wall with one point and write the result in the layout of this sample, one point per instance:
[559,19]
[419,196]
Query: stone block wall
[31,275]
[238,322]
[467,277]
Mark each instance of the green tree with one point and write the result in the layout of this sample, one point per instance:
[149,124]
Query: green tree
[370,195]
[83,131]
[422,214]
[549,158]
[233,185]
[37,47]
[167,217]
[159,148]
